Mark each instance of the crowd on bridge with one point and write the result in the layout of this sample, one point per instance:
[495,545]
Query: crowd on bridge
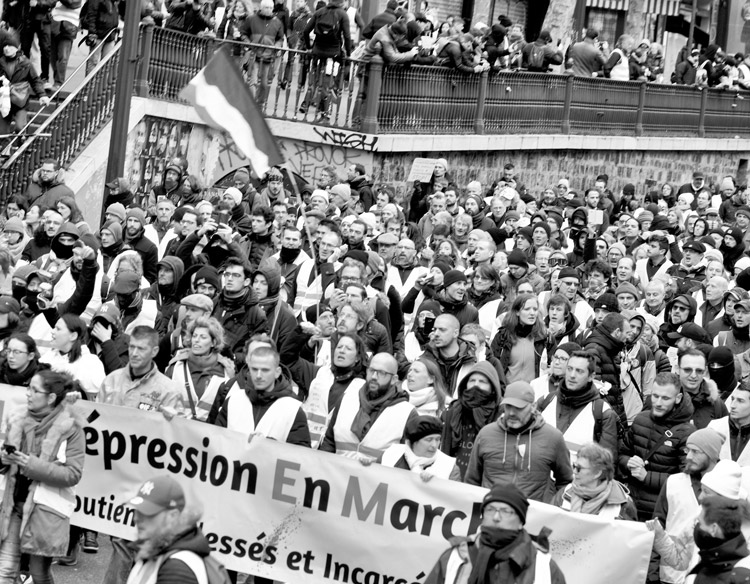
[580,347]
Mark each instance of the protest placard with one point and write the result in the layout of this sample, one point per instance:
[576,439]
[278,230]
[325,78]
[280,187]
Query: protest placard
[422,169]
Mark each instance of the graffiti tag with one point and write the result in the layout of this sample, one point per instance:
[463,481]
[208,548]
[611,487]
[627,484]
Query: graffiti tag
[347,139]
[307,158]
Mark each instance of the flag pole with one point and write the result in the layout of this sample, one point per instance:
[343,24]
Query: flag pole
[300,205]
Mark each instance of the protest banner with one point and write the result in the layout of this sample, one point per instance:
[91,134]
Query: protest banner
[422,169]
[286,512]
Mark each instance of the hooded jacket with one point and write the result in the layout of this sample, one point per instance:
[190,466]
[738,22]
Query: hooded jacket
[450,369]
[668,327]
[718,565]
[606,349]
[687,277]
[280,318]
[644,435]
[46,194]
[363,185]
[463,421]
[241,318]
[525,458]
[167,297]
[707,404]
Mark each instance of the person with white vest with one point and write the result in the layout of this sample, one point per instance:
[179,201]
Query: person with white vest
[323,387]
[736,429]
[656,263]
[201,369]
[40,475]
[372,418]
[267,406]
[421,453]
[577,408]
[618,64]
[678,503]
[404,270]
[594,490]
[317,274]
[501,550]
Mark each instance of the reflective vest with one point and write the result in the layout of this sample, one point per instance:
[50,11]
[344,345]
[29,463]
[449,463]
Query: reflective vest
[441,468]
[316,404]
[621,72]
[488,317]
[581,431]
[457,571]
[147,572]
[204,403]
[275,423]
[722,427]
[387,430]
[309,293]
[683,508]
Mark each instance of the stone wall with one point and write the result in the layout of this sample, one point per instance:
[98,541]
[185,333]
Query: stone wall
[539,169]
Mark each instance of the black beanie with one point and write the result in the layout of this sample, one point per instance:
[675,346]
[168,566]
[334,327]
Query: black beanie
[442,266]
[421,426]
[453,276]
[518,258]
[510,495]
[210,275]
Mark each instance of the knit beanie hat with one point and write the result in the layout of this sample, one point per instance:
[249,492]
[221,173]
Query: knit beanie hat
[617,246]
[343,190]
[320,193]
[209,275]
[628,288]
[422,426]
[708,441]
[14,225]
[118,210]
[518,258]
[453,276]
[479,201]
[569,348]
[607,301]
[443,162]
[743,210]
[645,216]
[727,183]
[137,213]
[628,189]
[115,229]
[511,496]
[543,225]
[235,193]
[442,266]
[741,264]
[510,215]
[242,173]
[568,272]
[725,479]
[526,233]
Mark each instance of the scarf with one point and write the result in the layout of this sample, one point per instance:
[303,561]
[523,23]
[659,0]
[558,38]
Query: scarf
[523,330]
[35,427]
[417,463]
[495,545]
[477,407]
[370,409]
[577,399]
[741,334]
[589,500]
[477,219]
[16,249]
[20,378]
[287,255]
[344,374]
[421,397]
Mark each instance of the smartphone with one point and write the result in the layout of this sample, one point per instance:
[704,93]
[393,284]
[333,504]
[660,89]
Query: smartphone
[429,323]
[9,448]
[223,217]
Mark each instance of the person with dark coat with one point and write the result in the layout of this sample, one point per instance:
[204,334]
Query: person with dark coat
[19,367]
[266,283]
[677,312]
[495,46]
[585,58]
[654,446]
[107,339]
[186,16]
[454,300]
[100,19]
[47,186]
[702,391]
[23,79]
[266,33]
[477,404]
[385,18]
[40,243]
[166,291]
[550,54]
[520,342]
[361,184]
[136,240]
[171,182]
[502,550]
[452,355]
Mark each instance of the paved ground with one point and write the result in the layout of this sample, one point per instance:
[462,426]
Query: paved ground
[90,568]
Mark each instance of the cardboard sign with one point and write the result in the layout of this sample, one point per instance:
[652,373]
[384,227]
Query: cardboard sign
[422,169]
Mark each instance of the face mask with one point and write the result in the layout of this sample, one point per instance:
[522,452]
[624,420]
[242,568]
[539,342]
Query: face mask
[474,397]
[704,540]
[63,252]
[125,301]
[288,254]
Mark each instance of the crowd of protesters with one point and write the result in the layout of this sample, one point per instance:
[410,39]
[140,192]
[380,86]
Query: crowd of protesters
[591,347]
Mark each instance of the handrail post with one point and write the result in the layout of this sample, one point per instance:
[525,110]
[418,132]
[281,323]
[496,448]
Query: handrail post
[144,62]
[479,115]
[372,103]
[702,115]
[568,104]
[641,106]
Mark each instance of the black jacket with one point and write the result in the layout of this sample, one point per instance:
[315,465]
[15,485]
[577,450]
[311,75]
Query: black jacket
[241,321]
[101,17]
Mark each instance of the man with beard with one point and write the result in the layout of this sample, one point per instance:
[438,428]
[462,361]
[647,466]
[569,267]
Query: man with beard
[356,176]
[171,181]
[316,274]
[677,505]
[502,550]
[239,220]
[261,401]
[237,308]
[404,270]
[452,355]
[289,258]
[372,419]
[653,447]
[477,404]
[691,271]
[356,238]
[577,408]
[274,191]
[736,427]
[638,368]
[166,292]
[702,391]
[520,447]
[259,240]
[135,239]
[40,243]
[46,186]
[454,300]
[548,383]
[161,231]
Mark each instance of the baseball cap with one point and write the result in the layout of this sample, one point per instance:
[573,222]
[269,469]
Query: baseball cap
[694,245]
[518,394]
[743,304]
[690,330]
[8,304]
[699,174]
[126,283]
[120,185]
[109,312]
[157,495]
[199,301]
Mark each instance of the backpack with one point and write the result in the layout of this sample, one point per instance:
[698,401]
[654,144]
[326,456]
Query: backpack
[216,573]
[327,26]
[536,57]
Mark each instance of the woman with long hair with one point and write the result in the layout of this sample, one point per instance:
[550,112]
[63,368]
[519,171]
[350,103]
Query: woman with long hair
[21,361]
[520,343]
[424,384]
[69,354]
[46,465]
[68,208]
[201,368]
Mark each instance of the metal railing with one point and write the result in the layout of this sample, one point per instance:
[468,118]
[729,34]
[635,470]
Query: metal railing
[67,129]
[294,86]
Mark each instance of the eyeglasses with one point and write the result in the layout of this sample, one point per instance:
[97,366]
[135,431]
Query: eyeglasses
[233,275]
[378,373]
[560,358]
[578,468]
[692,371]
[16,352]
[502,510]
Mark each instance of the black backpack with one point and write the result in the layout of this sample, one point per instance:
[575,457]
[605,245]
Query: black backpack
[536,57]
[327,26]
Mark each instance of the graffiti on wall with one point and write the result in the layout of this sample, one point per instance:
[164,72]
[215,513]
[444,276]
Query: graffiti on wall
[308,159]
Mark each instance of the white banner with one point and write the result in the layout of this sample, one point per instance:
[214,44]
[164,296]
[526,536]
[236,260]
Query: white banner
[286,512]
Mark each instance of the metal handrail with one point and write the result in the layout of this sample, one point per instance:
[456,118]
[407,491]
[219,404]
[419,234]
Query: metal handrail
[22,133]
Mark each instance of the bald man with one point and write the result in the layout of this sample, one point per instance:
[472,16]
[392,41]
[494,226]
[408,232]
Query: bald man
[404,270]
[368,422]
[453,356]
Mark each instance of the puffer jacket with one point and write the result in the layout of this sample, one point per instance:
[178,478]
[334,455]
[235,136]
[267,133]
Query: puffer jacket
[668,458]
[525,459]
[46,195]
[606,349]
[45,531]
